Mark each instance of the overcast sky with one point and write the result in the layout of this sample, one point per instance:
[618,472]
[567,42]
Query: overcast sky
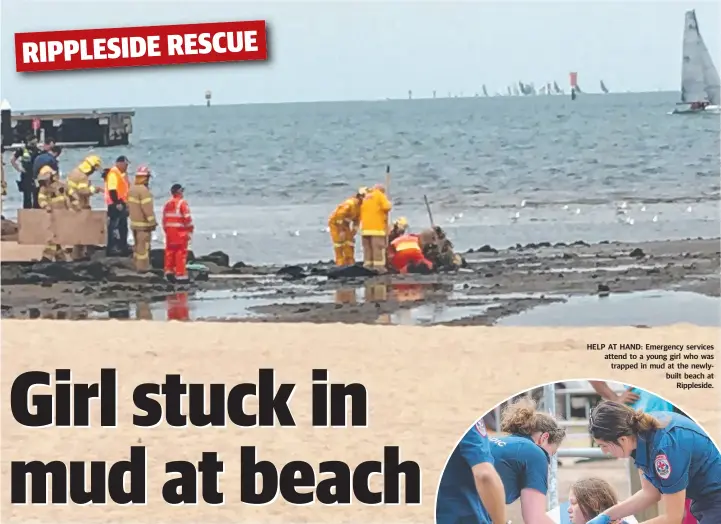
[343,50]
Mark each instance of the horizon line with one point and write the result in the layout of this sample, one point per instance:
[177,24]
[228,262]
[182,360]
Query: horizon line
[299,102]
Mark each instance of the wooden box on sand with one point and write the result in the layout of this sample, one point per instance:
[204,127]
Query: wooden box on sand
[64,227]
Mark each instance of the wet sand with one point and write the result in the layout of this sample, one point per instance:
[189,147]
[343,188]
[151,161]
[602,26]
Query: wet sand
[495,285]
[425,387]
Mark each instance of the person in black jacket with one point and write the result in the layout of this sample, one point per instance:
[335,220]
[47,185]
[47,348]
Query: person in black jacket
[22,160]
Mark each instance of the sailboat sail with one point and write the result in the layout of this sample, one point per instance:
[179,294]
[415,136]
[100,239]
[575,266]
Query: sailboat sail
[603,87]
[699,77]
[485,91]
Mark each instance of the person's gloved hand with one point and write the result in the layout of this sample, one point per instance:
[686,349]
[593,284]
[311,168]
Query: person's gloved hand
[601,519]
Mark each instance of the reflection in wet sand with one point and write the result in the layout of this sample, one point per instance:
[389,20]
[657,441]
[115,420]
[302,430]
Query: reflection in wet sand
[143,311]
[346,296]
[375,292]
[178,306]
[34,313]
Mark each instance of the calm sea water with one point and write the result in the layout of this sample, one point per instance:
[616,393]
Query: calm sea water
[262,179]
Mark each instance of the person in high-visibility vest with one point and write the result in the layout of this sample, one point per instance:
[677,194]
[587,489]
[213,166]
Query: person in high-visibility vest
[52,197]
[142,218]
[116,198]
[80,190]
[400,226]
[343,225]
[374,212]
[405,255]
[178,228]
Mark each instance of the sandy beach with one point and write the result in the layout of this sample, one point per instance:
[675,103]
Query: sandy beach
[425,387]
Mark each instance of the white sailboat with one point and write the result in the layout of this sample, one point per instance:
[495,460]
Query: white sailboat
[700,85]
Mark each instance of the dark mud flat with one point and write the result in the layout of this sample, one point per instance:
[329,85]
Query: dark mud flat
[541,284]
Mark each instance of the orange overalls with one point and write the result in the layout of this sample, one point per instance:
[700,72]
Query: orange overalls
[178,307]
[405,250]
[177,225]
[343,224]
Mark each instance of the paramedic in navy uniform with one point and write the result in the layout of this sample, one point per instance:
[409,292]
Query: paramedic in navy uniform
[676,459]
[471,491]
[522,458]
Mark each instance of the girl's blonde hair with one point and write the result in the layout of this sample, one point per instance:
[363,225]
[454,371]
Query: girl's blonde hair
[593,496]
[523,418]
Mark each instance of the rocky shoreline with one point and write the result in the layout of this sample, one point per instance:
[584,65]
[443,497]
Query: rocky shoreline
[496,282]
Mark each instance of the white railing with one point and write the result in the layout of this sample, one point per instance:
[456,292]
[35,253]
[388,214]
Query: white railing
[549,404]
[587,453]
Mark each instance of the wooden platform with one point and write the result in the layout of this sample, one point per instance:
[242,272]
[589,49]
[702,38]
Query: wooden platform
[94,128]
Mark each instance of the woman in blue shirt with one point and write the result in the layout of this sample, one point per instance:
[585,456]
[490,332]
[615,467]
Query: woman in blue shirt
[522,458]
[675,457]
[471,491]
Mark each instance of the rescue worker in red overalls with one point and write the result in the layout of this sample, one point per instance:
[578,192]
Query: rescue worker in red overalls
[405,255]
[178,227]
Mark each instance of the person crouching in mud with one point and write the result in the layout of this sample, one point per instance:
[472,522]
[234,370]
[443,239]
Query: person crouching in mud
[439,249]
[405,253]
[400,226]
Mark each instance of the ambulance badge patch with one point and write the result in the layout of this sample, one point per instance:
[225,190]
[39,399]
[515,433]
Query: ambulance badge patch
[481,427]
[663,467]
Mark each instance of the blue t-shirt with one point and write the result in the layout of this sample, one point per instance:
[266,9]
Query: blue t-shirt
[521,464]
[42,160]
[680,456]
[458,498]
[648,402]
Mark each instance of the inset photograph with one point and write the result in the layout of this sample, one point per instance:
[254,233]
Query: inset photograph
[582,452]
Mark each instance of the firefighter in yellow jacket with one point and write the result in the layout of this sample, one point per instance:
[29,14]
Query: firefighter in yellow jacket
[142,218]
[80,190]
[52,196]
[343,226]
[374,228]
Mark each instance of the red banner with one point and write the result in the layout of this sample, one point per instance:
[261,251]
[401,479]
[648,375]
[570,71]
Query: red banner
[573,79]
[141,46]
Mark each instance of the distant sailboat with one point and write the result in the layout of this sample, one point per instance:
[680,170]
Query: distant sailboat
[485,91]
[557,89]
[700,85]
[604,88]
